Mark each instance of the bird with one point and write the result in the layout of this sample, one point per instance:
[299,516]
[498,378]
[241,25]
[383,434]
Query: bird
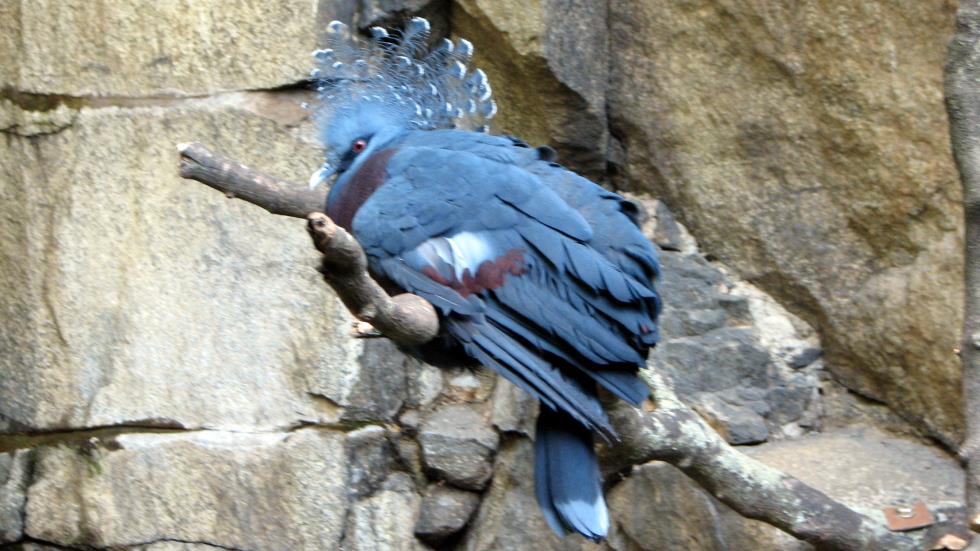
[534,271]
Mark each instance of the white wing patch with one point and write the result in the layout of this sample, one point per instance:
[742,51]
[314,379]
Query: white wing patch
[463,251]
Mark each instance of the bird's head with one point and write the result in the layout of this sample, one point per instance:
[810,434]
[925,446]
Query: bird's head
[364,128]
[373,94]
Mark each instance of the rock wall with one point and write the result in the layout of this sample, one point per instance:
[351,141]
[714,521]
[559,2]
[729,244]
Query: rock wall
[805,144]
[175,376]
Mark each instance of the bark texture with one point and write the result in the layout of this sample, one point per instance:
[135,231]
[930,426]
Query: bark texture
[963,105]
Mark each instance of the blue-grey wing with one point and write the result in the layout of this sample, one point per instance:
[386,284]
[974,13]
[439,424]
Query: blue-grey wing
[510,266]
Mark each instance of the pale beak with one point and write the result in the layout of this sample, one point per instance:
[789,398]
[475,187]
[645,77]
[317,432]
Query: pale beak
[321,175]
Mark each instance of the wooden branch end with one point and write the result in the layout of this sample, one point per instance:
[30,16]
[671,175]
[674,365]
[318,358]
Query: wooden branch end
[343,256]
[407,319]
[416,319]
[321,229]
[237,180]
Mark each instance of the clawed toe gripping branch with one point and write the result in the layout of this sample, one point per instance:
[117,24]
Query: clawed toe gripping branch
[672,433]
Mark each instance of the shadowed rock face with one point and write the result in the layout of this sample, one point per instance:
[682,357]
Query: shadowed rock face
[548,63]
[444,512]
[806,147]
[14,474]
[175,376]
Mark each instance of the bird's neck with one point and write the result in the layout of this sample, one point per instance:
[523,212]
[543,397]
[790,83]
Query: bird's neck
[359,187]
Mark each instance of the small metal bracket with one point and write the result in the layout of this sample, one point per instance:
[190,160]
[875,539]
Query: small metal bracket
[906,517]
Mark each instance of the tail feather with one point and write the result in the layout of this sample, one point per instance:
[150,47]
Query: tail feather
[566,477]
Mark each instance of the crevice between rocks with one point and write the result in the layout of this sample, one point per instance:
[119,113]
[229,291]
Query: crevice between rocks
[104,434]
[189,542]
[28,478]
[45,102]
[50,544]
[27,540]
[31,114]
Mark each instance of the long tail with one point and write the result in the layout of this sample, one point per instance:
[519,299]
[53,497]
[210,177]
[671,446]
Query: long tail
[566,476]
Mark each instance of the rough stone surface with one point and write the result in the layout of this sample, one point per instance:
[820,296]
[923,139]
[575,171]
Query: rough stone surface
[842,408]
[660,508]
[247,491]
[383,522]
[468,384]
[369,457]
[660,225]
[738,425]
[424,383]
[371,389]
[513,409]
[83,48]
[14,473]
[176,546]
[733,353]
[549,62]
[458,446]
[142,298]
[722,359]
[410,458]
[444,512]
[509,517]
[807,148]
[861,466]
[866,468]
[392,13]
[30,546]
[24,122]
[667,233]
[10,41]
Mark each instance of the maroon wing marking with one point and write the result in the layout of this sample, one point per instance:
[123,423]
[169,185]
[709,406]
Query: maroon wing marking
[490,274]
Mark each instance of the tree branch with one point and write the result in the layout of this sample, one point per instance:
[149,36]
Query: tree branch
[406,319]
[962,88]
[237,180]
[673,433]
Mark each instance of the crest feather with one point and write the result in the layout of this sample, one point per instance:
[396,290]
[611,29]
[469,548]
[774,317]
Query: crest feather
[424,88]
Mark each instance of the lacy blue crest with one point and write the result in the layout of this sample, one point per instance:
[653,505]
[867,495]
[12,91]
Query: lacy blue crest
[413,85]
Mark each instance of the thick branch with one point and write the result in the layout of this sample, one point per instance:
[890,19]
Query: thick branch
[236,180]
[963,106]
[405,319]
[673,433]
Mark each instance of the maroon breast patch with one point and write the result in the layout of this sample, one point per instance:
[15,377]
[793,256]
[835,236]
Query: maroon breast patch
[365,181]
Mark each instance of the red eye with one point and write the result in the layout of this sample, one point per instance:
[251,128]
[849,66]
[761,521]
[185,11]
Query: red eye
[358,145]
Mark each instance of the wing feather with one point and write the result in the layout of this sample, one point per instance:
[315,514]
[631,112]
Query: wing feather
[580,304]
